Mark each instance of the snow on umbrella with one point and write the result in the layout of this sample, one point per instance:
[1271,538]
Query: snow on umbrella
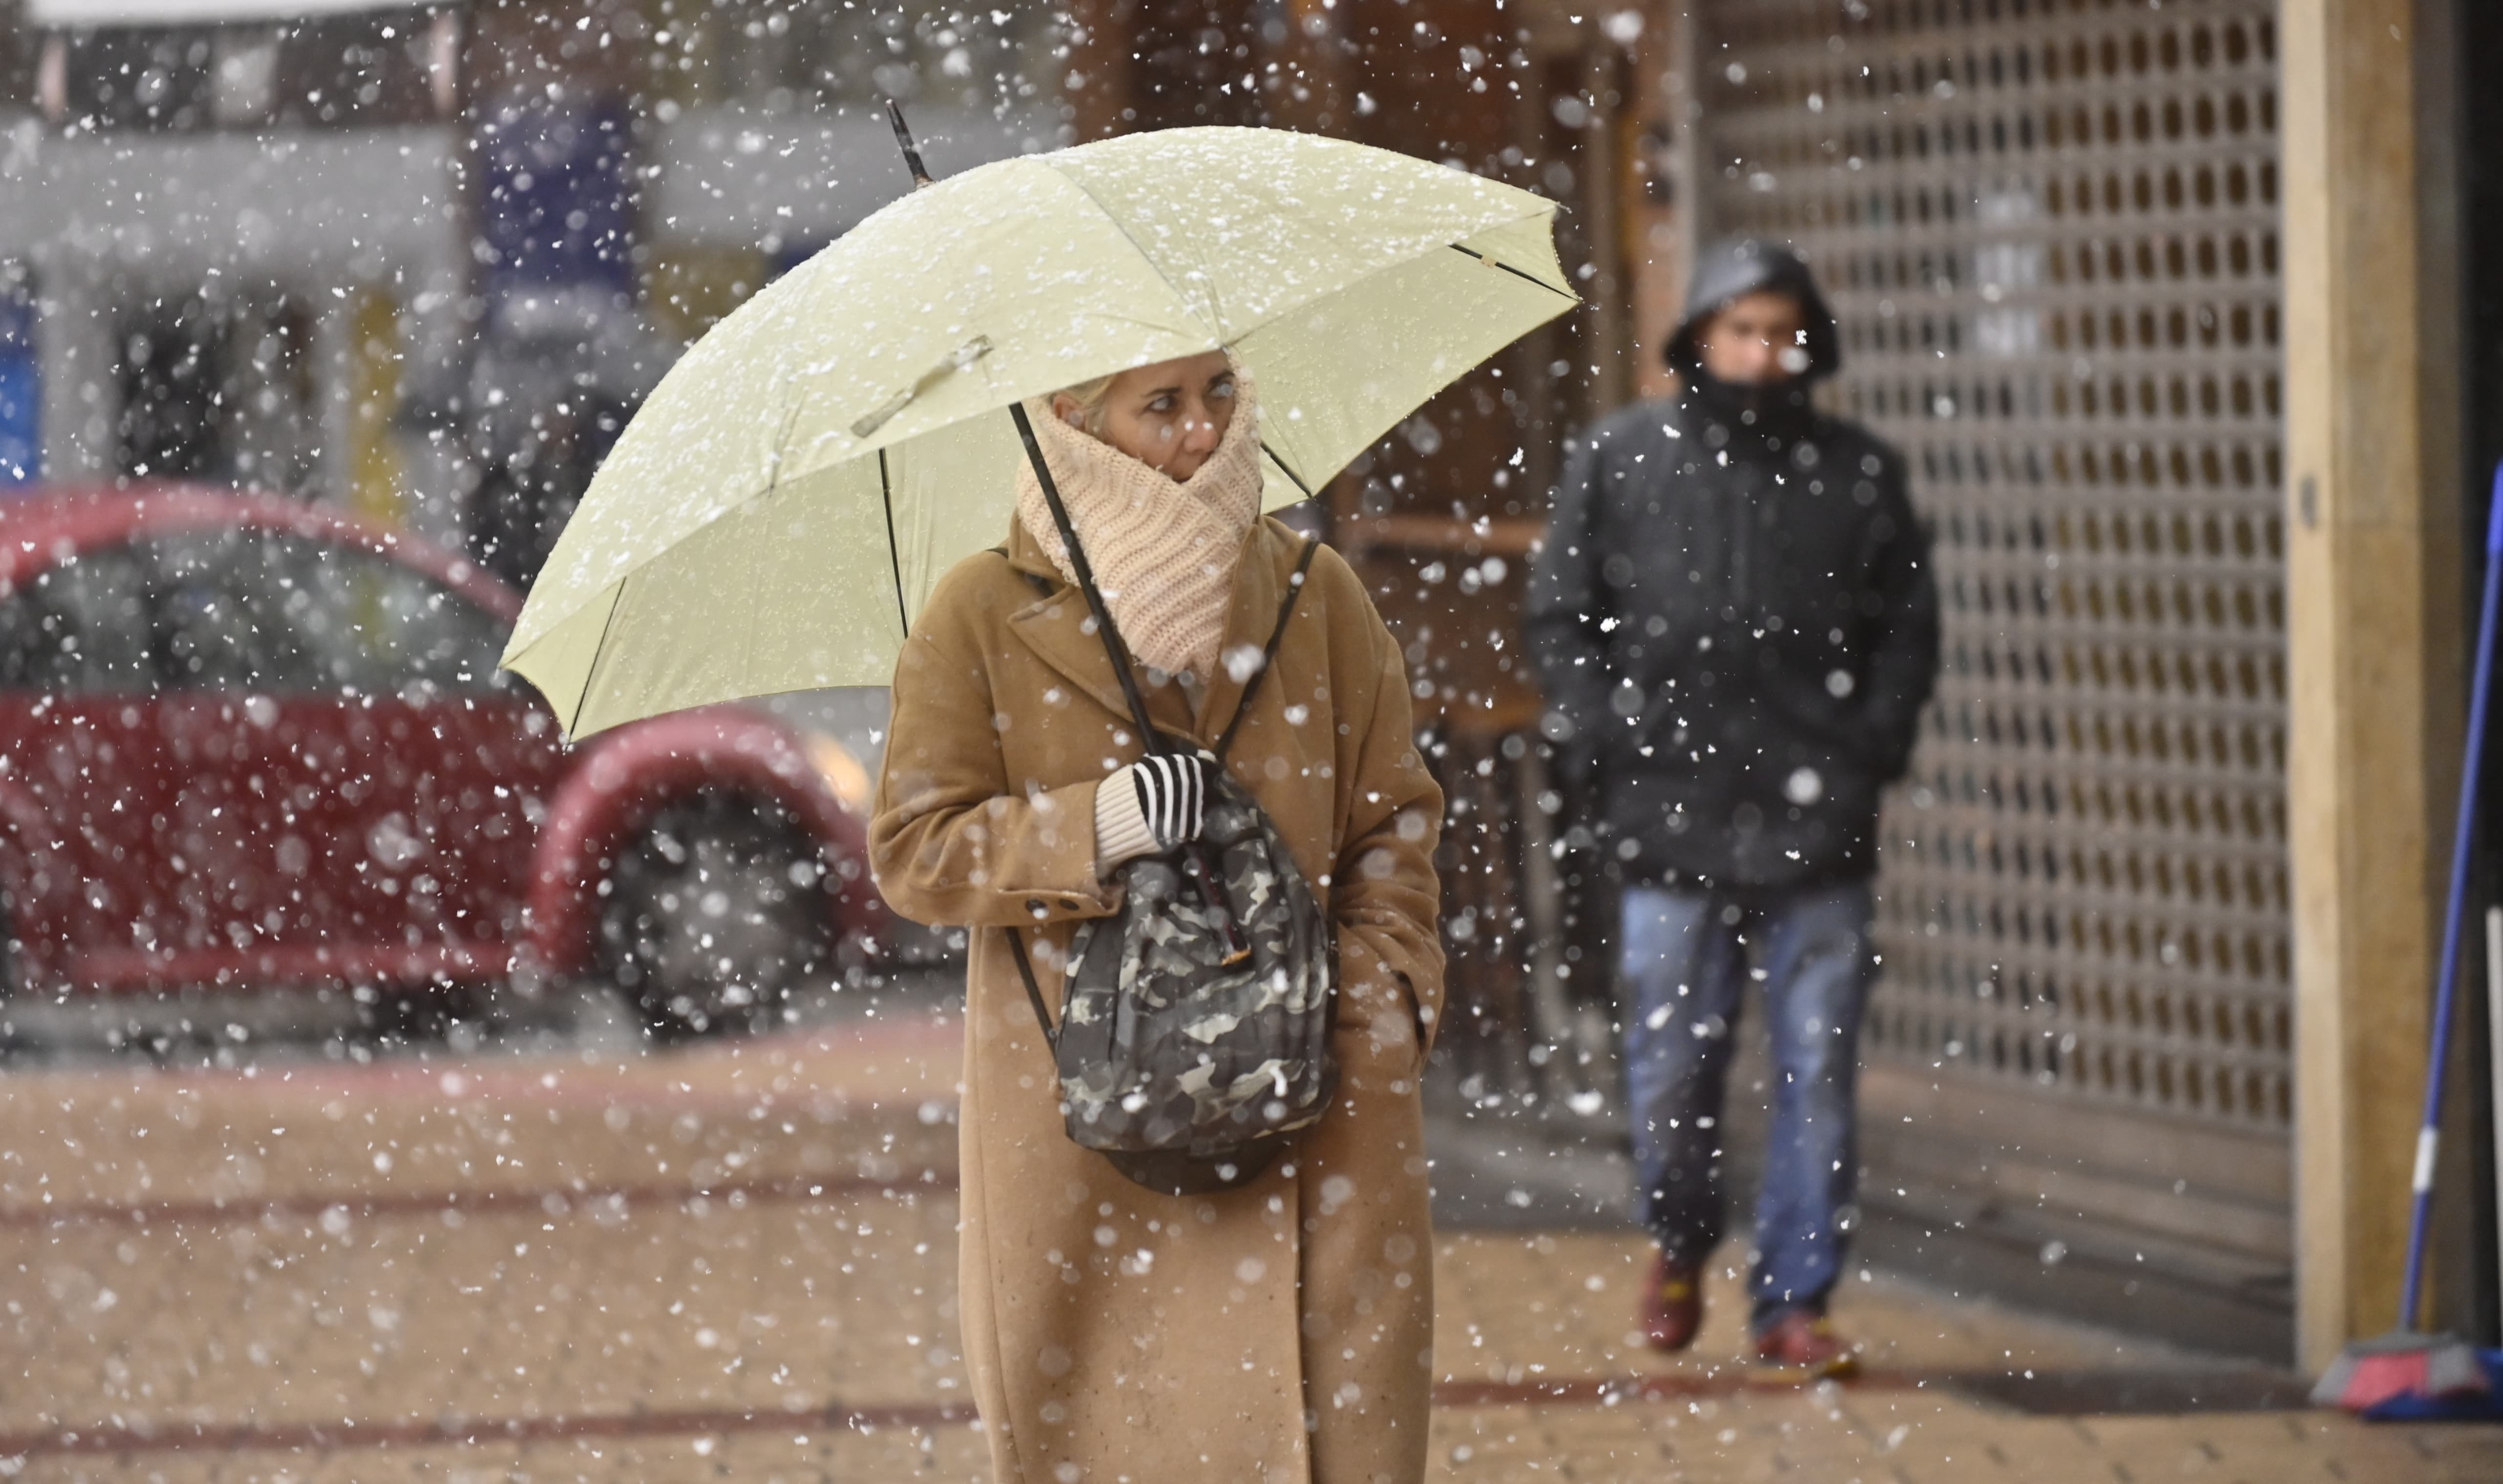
[776,513]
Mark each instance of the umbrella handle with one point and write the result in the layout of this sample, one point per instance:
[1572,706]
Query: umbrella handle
[1212,893]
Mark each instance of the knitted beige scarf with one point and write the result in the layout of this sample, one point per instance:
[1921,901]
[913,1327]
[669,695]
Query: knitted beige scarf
[1164,552]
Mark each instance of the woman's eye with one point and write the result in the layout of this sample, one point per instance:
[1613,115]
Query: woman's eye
[1223,392]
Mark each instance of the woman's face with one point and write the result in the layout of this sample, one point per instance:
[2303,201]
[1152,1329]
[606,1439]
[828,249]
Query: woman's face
[1169,416]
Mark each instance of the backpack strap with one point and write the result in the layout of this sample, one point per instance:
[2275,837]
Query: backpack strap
[1033,990]
[1251,688]
[1269,651]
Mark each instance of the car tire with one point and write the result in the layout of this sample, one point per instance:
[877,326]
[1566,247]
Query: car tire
[714,914]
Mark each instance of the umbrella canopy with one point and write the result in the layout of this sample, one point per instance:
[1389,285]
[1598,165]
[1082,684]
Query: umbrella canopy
[786,499]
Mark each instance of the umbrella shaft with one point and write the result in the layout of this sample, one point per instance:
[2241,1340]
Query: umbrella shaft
[1195,858]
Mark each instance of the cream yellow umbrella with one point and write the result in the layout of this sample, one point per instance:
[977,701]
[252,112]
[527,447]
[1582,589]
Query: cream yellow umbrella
[783,504]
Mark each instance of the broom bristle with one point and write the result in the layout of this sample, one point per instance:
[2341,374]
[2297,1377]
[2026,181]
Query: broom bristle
[2398,1365]
[2452,1370]
[2331,1389]
[2380,1377]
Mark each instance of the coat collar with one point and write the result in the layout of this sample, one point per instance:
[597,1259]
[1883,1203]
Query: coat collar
[1055,627]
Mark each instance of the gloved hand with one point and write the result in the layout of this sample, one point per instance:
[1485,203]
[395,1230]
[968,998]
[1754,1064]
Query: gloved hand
[1153,805]
[1172,795]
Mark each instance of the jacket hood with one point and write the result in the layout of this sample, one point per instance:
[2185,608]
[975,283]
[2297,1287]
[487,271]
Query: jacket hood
[1733,268]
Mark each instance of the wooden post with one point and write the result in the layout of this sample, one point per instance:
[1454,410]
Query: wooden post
[2371,520]
[1098,79]
[1662,241]
[1309,95]
[1602,189]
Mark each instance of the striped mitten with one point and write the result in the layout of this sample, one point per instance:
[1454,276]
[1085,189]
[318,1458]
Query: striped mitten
[1153,805]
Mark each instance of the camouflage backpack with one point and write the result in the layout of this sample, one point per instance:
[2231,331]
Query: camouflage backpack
[1194,1039]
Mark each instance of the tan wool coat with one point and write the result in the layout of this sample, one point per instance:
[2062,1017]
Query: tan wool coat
[1280,1331]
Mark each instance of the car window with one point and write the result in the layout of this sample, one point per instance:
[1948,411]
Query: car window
[80,624]
[384,628]
[274,611]
[222,620]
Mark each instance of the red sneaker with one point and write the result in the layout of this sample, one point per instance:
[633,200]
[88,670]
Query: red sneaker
[1803,1343]
[1672,1305]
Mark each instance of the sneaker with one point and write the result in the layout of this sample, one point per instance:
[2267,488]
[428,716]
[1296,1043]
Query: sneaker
[1803,1343]
[1672,1305]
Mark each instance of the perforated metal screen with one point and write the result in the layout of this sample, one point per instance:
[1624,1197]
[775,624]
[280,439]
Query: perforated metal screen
[2051,229]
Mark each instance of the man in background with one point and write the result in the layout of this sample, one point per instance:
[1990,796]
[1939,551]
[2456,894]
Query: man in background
[1735,618]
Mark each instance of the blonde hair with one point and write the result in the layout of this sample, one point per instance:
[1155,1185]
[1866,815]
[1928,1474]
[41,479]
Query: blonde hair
[1092,398]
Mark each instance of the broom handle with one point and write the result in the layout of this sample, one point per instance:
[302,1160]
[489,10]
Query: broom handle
[2462,839]
[2495,1056]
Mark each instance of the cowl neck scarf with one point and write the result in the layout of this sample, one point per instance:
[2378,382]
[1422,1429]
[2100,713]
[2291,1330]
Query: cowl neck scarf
[1164,551]
[1777,415]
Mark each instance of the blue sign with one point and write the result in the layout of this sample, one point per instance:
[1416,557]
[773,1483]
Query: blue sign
[557,196]
[21,388]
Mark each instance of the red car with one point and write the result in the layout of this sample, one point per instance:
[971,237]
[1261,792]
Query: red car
[249,741]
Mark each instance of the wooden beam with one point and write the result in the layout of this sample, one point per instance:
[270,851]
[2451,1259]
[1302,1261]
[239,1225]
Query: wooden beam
[1659,246]
[2369,523]
[1097,84]
[1602,187]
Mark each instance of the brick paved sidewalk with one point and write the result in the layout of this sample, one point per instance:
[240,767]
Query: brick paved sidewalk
[737,1262]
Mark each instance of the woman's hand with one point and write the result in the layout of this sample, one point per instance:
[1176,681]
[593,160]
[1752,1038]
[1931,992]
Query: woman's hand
[1153,805]
[1173,795]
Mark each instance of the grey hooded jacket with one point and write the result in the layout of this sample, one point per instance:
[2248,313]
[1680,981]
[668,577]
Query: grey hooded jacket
[1734,618]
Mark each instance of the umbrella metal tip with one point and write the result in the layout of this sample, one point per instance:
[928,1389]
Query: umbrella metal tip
[904,142]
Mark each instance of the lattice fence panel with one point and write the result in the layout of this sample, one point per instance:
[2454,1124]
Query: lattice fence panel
[2050,228]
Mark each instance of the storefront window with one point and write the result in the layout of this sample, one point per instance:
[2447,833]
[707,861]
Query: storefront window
[362,70]
[782,56]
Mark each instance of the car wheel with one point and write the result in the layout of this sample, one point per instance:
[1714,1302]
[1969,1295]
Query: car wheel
[714,914]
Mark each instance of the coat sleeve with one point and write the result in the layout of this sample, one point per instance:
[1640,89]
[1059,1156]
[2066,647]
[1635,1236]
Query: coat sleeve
[1903,650]
[1385,899]
[951,842]
[1561,612]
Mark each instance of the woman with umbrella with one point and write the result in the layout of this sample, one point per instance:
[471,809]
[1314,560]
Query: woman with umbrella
[1275,1325]
[1281,1330]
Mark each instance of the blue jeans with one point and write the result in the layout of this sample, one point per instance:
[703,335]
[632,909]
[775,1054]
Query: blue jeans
[1684,959]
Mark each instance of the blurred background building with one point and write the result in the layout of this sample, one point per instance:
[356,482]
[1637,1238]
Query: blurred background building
[2186,312]
[424,259]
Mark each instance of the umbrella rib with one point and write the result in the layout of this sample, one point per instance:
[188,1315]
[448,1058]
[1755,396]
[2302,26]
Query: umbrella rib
[607,622]
[894,555]
[782,447]
[1284,469]
[1497,262]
